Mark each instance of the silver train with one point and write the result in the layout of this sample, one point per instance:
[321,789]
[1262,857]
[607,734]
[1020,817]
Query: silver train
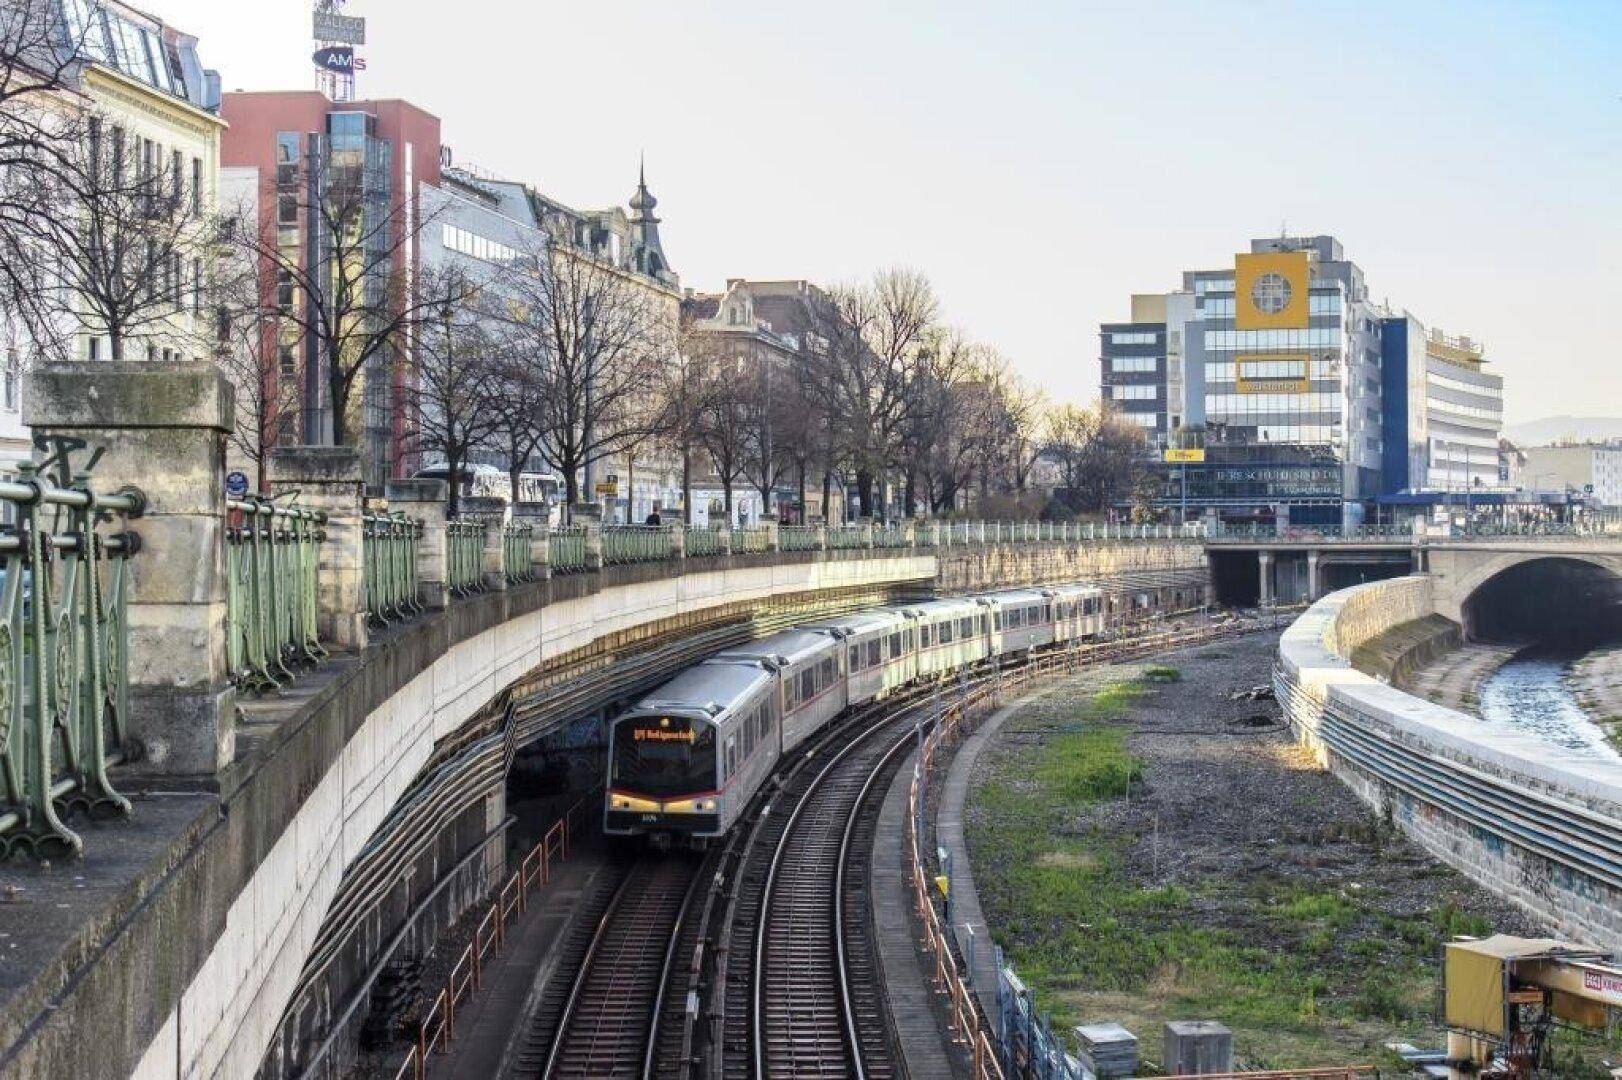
[685,760]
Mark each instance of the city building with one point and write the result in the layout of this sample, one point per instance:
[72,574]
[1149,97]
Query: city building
[1442,411]
[1591,470]
[1288,396]
[761,324]
[286,154]
[145,99]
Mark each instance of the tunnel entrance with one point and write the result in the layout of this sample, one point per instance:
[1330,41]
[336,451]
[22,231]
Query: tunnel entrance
[1562,603]
[1235,579]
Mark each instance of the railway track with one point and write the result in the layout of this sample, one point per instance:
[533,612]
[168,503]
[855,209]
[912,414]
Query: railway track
[757,960]
[818,1005]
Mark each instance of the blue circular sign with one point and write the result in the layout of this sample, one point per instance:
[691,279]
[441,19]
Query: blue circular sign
[236,484]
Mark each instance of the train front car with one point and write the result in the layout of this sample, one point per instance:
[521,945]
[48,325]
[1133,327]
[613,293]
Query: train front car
[669,777]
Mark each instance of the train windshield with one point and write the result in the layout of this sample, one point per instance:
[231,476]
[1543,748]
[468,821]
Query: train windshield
[663,756]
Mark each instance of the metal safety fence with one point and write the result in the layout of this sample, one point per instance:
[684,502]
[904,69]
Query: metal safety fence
[464,554]
[389,550]
[699,541]
[892,535]
[798,538]
[635,543]
[567,549]
[64,651]
[842,539]
[518,551]
[437,1029]
[750,541]
[1017,1041]
[272,555]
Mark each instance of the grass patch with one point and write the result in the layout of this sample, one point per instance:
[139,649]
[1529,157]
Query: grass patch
[1160,673]
[1300,972]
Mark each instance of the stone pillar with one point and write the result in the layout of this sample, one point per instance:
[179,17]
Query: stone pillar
[162,429]
[593,524]
[822,536]
[494,513]
[538,516]
[678,541]
[909,532]
[1265,593]
[867,533]
[329,478]
[773,537]
[1314,590]
[723,540]
[425,500]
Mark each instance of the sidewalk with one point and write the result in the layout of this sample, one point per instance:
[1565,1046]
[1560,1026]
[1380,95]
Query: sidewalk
[925,1046]
[492,1023]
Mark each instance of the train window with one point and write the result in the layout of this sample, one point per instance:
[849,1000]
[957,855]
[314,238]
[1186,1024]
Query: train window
[828,672]
[663,757]
[944,632]
[808,685]
[895,645]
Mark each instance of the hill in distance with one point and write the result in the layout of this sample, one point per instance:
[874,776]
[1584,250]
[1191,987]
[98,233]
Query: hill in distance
[1552,429]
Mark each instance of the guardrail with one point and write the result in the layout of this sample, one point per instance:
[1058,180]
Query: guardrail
[437,1029]
[389,544]
[272,554]
[1019,1041]
[518,551]
[64,653]
[799,537]
[750,541]
[464,554]
[567,545]
[699,541]
[635,543]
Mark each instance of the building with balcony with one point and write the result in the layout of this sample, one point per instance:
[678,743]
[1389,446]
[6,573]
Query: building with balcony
[1309,401]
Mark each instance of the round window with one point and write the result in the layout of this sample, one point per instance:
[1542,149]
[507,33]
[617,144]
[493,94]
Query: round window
[1270,293]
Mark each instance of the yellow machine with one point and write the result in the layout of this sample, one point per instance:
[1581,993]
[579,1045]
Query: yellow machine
[1503,994]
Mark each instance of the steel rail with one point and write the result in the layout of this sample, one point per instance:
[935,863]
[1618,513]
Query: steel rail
[619,930]
[853,1048]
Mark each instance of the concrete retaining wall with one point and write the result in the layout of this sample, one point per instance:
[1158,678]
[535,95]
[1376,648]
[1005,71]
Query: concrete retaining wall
[187,967]
[1536,824]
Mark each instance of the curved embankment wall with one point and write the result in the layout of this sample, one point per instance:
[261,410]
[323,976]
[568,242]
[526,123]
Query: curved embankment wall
[1536,824]
[188,968]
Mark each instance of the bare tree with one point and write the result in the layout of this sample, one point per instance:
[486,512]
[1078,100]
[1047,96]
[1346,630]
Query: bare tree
[125,261]
[248,348]
[515,404]
[1099,455]
[453,379]
[355,301]
[40,129]
[727,424]
[598,345]
[869,341]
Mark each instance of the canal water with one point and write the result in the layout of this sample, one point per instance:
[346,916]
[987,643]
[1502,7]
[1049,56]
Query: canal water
[1530,693]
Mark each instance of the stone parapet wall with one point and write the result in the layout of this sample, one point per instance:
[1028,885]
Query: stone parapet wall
[967,569]
[1536,824]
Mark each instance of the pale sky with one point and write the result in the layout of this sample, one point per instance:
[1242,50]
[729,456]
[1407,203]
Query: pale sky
[1042,160]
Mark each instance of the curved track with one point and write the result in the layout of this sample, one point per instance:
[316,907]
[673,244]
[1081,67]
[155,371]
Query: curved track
[608,1025]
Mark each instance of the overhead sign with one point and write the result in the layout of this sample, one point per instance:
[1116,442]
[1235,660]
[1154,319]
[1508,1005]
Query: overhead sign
[338,58]
[1270,290]
[1192,456]
[345,29]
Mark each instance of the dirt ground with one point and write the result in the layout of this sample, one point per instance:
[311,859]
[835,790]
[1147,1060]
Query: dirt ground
[1147,848]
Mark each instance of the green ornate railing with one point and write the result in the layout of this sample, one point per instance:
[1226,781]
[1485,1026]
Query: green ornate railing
[851,537]
[797,538]
[464,554]
[635,543]
[64,652]
[517,551]
[890,536]
[567,545]
[272,552]
[750,541]
[389,548]
[702,541]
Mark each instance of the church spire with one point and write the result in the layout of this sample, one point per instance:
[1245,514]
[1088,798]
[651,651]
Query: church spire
[650,255]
